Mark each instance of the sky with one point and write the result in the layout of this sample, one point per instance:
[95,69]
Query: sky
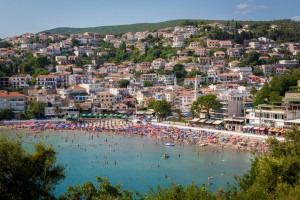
[32,16]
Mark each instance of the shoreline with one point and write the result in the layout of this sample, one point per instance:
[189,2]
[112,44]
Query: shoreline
[161,132]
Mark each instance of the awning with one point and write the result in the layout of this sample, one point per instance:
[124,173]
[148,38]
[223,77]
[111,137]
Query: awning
[233,120]
[209,121]
[195,120]
[202,120]
[256,128]
[217,122]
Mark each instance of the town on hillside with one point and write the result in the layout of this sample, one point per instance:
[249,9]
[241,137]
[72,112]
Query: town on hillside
[221,76]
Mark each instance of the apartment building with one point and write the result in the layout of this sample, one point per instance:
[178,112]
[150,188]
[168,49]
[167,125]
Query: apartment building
[20,81]
[13,100]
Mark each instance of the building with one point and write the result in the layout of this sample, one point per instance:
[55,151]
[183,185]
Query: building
[20,81]
[149,77]
[47,81]
[4,82]
[213,43]
[166,79]
[13,100]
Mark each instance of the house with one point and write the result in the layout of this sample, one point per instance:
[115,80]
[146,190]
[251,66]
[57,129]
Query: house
[77,70]
[120,107]
[112,69]
[219,54]
[102,54]
[158,63]
[13,100]
[61,60]
[80,79]
[204,60]
[213,43]
[107,96]
[149,77]
[20,81]
[280,71]
[166,79]
[202,52]
[228,78]
[234,64]
[47,81]
[234,52]
[226,44]
[191,81]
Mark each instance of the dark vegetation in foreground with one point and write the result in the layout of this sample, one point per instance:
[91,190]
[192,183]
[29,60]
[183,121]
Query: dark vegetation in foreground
[274,175]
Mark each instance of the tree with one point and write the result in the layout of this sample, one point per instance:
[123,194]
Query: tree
[110,108]
[36,110]
[262,95]
[123,83]
[6,113]
[276,174]
[79,108]
[25,175]
[253,91]
[148,84]
[102,191]
[178,113]
[205,103]
[21,115]
[57,110]
[150,104]
[162,109]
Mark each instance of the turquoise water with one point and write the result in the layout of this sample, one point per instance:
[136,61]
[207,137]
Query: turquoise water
[86,161]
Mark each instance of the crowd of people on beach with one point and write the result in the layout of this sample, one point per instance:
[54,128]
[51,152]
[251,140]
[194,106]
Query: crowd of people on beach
[166,133]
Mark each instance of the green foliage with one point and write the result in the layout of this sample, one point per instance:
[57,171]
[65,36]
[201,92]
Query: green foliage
[103,191]
[4,44]
[6,113]
[205,103]
[26,175]
[150,104]
[57,110]
[262,95]
[274,175]
[123,83]
[162,109]
[277,88]
[21,115]
[36,110]
[148,84]
[193,73]
[258,73]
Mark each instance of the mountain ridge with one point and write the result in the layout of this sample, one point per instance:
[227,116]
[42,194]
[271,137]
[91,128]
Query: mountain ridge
[119,29]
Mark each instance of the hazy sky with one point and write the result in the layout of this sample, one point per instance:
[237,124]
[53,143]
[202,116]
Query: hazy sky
[22,16]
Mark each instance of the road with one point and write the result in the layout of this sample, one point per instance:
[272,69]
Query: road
[218,131]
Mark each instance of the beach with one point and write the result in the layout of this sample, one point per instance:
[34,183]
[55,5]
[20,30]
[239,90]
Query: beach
[175,134]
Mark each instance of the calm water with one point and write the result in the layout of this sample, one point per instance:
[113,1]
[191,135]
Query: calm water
[136,173]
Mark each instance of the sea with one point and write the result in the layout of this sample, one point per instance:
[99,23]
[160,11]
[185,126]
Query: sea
[136,161]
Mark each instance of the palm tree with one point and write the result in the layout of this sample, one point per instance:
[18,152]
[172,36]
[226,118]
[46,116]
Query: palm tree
[78,107]
[57,110]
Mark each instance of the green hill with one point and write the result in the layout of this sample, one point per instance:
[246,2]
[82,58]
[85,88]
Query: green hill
[118,29]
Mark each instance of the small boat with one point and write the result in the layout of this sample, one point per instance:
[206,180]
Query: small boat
[203,144]
[169,144]
[165,156]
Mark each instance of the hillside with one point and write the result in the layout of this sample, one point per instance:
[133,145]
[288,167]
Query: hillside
[118,29]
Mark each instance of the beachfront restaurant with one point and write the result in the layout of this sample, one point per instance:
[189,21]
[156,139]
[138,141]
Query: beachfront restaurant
[234,124]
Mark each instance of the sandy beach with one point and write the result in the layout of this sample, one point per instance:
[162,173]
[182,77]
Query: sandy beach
[175,134]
